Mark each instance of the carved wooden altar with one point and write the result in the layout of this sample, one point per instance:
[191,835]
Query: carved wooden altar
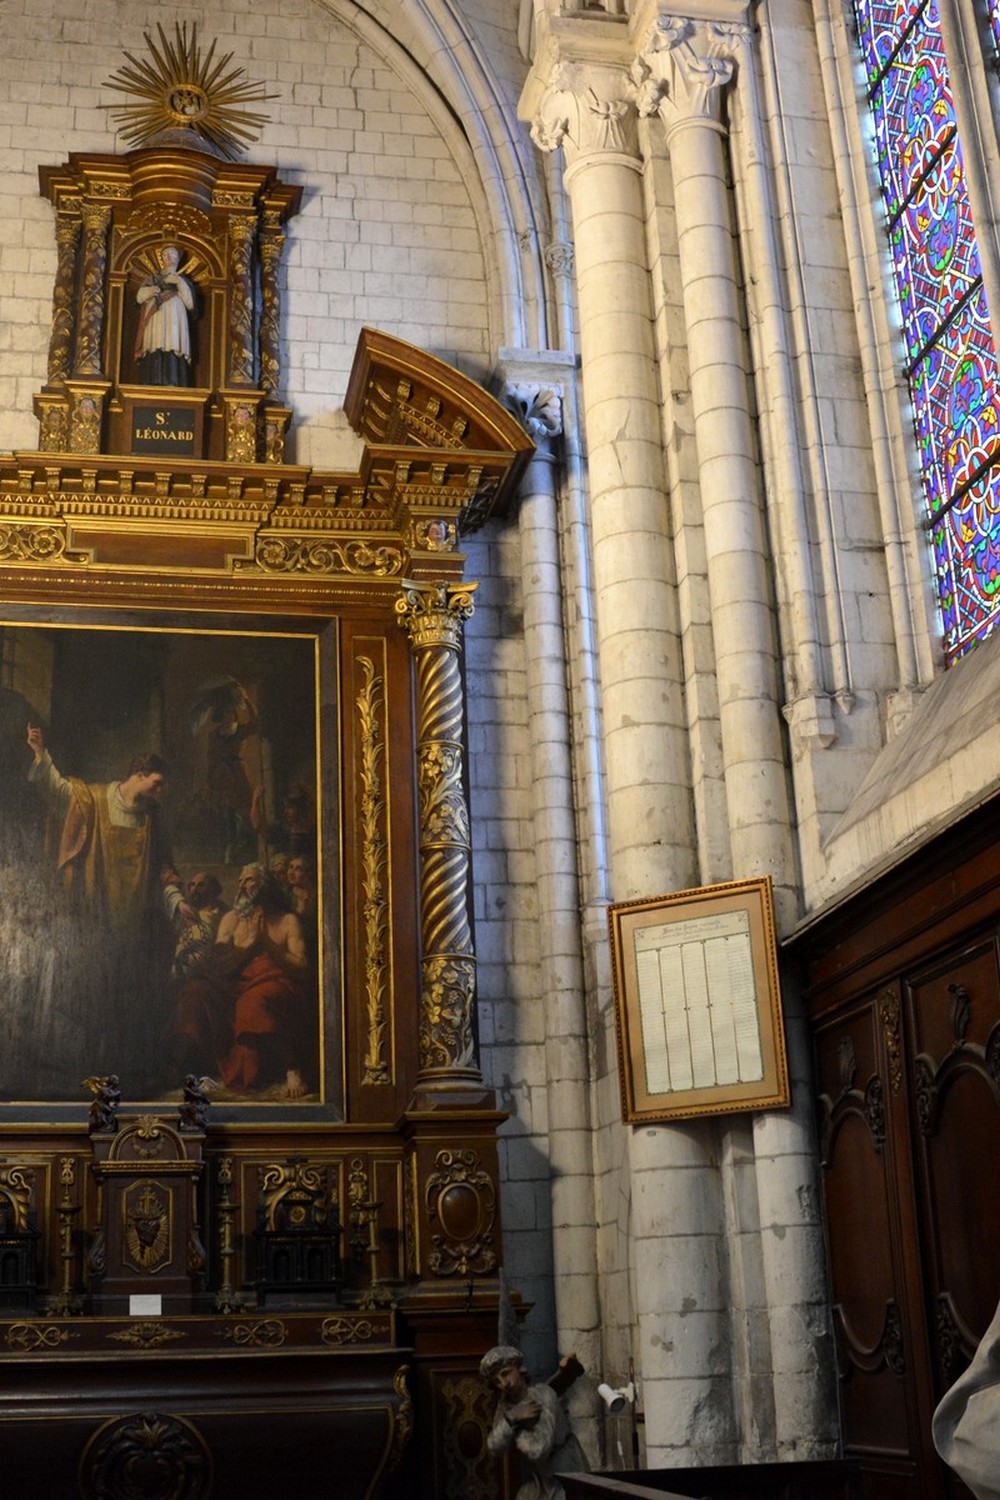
[239,1398]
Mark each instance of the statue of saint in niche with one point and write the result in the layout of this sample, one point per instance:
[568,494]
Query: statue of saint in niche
[163,339]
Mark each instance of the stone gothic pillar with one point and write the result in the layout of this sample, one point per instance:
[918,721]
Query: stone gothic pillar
[586,110]
[90,329]
[539,408]
[433,615]
[678,1295]
[68,229]
[682,68]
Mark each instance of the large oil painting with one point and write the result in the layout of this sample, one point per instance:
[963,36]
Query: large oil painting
[162,820]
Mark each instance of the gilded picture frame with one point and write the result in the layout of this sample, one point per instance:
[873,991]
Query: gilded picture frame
[698,1004]
[197,932]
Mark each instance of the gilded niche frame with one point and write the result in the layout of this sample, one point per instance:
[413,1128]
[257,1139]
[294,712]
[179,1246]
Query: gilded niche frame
[698,1003]
[244,712]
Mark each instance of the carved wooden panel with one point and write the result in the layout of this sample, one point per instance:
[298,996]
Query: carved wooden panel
[904,992]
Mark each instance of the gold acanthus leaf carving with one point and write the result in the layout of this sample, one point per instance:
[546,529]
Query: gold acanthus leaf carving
[374,858]
[305,555]
[32,544]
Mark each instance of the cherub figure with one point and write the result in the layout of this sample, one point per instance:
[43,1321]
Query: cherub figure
[532,1418]
[195,1104]
[104,1105]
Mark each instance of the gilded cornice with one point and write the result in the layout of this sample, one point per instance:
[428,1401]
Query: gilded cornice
[439,456]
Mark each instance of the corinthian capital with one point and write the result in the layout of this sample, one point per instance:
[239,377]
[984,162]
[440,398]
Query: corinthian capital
[588,110]
[682,65]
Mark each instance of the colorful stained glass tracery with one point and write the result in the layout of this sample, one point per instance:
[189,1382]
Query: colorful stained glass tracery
[994,10]
[951,359]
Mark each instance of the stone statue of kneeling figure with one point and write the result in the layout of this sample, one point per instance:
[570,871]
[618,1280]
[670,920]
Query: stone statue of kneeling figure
[532,1418]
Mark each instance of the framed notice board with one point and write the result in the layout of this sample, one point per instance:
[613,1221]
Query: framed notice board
[697,1003]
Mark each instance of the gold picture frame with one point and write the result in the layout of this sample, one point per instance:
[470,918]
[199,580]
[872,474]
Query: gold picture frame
[698,1004]
[242,713]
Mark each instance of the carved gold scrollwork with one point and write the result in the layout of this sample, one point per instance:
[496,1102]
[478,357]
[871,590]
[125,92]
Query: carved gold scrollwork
[460,1197]
[340,1331]
[16,1187]
[449,987]
[150,1444]
[374,863]
[266,1333]
[888,1010]
[146,1335]
[26,1338]
[147,1138]
[291,554]
[24,542]
[278,1184]
[444,815]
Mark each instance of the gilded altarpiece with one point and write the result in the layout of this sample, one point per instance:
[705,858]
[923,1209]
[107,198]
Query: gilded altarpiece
[296,636]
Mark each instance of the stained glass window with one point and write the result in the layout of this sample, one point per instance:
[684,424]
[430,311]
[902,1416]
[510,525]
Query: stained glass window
[994,10]
[950,356]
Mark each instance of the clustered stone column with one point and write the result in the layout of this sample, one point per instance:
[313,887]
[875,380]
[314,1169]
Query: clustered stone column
[684,66]
[587,111]
[562,989]
[433,615]
[590,84]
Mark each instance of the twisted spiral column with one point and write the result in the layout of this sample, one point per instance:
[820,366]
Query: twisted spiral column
[96,219]
[68,230]
[241,237]
[433,615]
[272,240]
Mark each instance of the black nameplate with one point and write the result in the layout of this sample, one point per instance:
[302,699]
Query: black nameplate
[163,430]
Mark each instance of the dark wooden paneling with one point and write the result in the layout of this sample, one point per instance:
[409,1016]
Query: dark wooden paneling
[903,988]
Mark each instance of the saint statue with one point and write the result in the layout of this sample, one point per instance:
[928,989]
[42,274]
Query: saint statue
[163,339]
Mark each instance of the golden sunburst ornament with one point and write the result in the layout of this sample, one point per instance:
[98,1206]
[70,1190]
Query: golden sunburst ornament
[196,100]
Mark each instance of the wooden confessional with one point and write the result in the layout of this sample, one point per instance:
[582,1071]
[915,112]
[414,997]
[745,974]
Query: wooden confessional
[287,1288]
[903,990]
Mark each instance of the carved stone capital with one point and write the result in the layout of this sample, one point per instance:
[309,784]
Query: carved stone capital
[682,65]
[538,408]
[560,259]
[588,110]
[433,614]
